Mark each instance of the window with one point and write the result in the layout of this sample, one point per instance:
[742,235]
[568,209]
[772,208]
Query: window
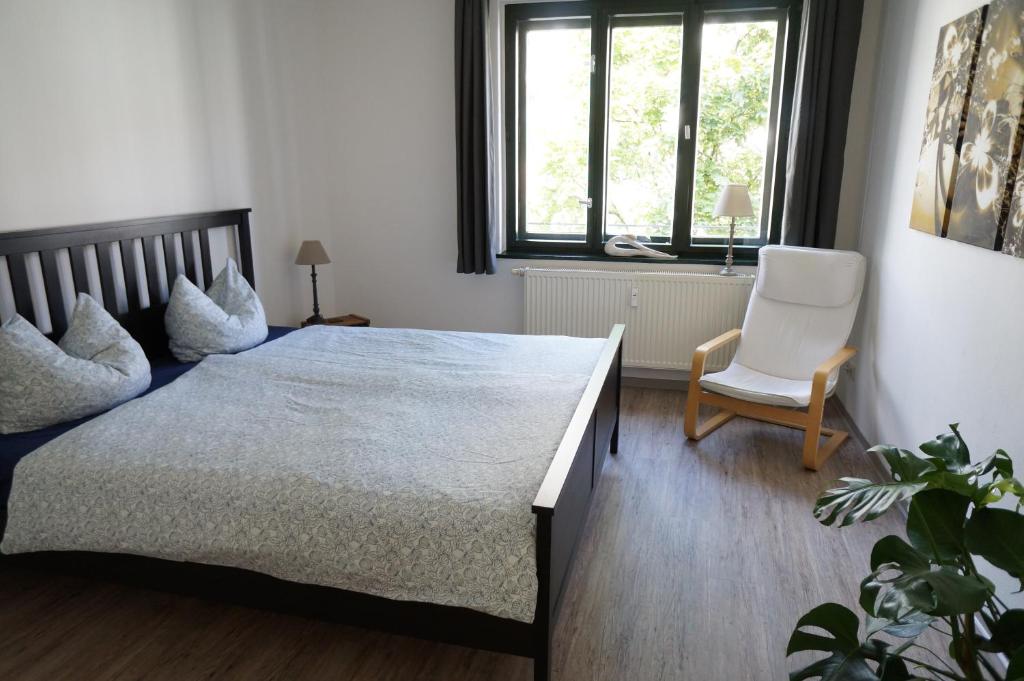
[627,116]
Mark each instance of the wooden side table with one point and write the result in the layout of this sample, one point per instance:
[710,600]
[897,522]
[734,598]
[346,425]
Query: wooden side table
[343,320]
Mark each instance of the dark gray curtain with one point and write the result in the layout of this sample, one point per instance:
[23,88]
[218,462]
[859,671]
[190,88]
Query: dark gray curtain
[471,143]
[829,34]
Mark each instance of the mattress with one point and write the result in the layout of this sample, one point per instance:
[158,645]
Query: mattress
[392,462]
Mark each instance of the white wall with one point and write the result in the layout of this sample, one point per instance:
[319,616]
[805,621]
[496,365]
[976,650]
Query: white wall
[101,112]
[941,323]
[391,92]
[115,109]
[264,65]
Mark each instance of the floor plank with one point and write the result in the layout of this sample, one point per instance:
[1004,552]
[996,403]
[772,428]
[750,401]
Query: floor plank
[696,562]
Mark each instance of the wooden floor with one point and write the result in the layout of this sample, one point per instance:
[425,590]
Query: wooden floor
[695,564]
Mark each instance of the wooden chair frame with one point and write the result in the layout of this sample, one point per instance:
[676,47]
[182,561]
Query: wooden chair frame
[814,453]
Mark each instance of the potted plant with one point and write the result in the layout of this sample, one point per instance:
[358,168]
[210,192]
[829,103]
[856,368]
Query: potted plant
[930,581]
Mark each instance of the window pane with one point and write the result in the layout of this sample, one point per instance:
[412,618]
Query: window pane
[557,130]
[643,129]
[737,63]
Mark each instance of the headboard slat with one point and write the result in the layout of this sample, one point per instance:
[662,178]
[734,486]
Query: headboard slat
[152,275]
[204,252]
[54,298]
[143,318]
[105,261]
[78,271]
[131,277]
[170,260]
[188,251]
[245,247]
[22,292]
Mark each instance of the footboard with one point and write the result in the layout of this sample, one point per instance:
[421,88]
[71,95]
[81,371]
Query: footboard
[563,501]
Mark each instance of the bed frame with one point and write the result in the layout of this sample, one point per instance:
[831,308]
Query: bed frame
[560,507]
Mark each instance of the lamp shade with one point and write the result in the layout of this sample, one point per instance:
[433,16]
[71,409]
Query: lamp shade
[312,253]
[734,202]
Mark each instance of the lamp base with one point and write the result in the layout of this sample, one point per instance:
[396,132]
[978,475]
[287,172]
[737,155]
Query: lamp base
[315,319]
[728,271]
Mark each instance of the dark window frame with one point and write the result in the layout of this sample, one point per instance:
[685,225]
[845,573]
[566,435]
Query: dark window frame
[599,15]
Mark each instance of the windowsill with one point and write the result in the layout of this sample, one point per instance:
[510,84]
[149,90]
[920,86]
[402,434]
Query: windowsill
[682,260]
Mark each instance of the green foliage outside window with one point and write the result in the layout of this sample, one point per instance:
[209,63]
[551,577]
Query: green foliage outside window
[735,90]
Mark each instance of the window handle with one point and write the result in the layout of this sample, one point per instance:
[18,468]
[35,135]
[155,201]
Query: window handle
[686,132]
[588,202]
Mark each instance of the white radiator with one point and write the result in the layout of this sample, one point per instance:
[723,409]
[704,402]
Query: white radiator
[667,315]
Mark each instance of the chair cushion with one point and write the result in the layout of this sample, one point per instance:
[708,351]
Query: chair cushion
[793,322]
[227,318]
[753,386]
[96,367]
[810,276]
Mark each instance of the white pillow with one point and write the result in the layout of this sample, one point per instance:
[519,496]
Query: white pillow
[227,318]
[96,366]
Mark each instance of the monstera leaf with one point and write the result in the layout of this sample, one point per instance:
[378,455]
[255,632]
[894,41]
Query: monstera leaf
[999,464]
[997,489]
[1015,670]
[1007,633]
[860,500]
[907,626]
[903,465]
[935,524]
[954,471]
[966,479]
[848,659]
[997,535]
[947,466]
[903,582]
[950,449]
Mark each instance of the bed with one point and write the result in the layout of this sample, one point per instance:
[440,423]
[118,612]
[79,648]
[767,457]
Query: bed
[425,483]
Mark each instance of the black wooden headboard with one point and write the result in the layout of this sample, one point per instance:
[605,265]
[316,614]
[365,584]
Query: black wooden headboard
[144,323]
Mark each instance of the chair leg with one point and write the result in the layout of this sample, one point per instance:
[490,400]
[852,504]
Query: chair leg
[692,409]
[713,424]
[812,434]
[829,448]
[695,430]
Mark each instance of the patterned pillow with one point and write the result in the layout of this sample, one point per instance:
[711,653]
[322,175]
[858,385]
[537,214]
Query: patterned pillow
[227,318]
[96,366]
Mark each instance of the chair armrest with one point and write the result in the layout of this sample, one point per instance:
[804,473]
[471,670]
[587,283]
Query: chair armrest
[823,370]
[715,343]
[705,349]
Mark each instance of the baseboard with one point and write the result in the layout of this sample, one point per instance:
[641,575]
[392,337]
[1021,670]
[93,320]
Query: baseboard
[654,383]
[658,379]
[858,435]
[855,430]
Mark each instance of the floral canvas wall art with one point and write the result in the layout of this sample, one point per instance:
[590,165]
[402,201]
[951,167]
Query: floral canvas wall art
[944,122]
[1013,243]
[990,154]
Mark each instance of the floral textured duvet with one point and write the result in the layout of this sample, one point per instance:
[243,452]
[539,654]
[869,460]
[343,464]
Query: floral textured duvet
[392,462]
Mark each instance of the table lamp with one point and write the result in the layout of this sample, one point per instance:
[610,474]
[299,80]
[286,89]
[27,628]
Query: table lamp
[734,202]
[312,253]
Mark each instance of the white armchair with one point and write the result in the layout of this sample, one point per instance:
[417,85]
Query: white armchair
[791,346]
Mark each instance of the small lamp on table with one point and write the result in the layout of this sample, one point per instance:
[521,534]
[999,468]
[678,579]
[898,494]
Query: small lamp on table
[734,202]
[312,253]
